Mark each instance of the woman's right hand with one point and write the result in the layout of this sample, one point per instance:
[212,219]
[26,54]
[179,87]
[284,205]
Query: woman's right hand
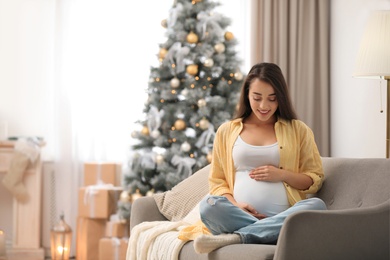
[245,207]
[251,210]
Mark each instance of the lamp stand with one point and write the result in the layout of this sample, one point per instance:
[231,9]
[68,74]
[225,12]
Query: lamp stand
[387,78]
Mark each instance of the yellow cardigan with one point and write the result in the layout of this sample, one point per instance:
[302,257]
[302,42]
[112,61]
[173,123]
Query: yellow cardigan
[298,153]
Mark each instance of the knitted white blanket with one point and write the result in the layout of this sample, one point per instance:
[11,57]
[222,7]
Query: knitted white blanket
[158,240]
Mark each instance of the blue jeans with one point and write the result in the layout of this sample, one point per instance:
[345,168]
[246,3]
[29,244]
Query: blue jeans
[221,216]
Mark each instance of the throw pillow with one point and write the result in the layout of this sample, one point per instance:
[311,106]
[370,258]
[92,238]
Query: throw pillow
[176,203]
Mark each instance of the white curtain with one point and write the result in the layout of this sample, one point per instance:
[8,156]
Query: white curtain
[295,35]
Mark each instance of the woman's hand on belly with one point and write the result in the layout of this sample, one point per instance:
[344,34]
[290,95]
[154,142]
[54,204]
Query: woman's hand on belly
[251,210]
[271,173]
[267,173]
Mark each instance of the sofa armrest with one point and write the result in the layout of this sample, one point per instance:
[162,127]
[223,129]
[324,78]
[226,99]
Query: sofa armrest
[144,209]
[361,233]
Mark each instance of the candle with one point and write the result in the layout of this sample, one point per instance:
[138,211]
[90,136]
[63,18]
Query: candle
[2,243]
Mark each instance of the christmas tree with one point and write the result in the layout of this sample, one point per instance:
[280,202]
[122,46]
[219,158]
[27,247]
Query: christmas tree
[191,93]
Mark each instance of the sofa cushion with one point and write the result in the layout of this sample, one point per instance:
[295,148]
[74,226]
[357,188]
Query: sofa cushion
[353,183]
[176,203]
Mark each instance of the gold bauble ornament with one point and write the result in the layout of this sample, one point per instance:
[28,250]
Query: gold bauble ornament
[136,195]
[202,102]
[134,134]
[163,52]
[150,193]
[175,82]
[204,124]
[155,134]
[185,147]
[229,36]
[238,76]
[159,159]
[192,37]
[192,69]
[145,130]
[125,196]
[164,23]
[180,124]
[209,157]
[208,63]
[219,47]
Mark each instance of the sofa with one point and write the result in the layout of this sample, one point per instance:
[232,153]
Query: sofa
[356,226]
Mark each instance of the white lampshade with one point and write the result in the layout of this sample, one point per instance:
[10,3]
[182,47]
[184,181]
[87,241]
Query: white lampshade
[373,60]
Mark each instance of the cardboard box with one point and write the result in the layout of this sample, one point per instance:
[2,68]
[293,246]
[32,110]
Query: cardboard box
[117,229]
[108,173]
[98,202]
[113,248]
[89,233]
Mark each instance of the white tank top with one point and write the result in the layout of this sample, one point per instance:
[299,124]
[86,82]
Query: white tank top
[268,198]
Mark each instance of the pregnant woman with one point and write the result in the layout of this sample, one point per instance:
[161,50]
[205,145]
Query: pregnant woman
[264,163]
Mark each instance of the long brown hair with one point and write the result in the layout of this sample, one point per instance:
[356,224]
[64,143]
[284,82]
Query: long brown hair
[271,74]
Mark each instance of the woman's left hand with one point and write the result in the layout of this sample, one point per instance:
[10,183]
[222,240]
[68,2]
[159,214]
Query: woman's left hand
[267,173]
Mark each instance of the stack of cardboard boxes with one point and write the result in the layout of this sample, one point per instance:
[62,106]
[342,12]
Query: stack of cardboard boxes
[100,233]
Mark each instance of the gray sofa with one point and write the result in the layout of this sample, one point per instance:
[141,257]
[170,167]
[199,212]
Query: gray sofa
[356,226]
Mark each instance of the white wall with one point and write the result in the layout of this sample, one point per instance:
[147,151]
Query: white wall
[357,126]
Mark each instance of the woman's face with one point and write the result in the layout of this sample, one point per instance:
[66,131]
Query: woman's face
[263,102]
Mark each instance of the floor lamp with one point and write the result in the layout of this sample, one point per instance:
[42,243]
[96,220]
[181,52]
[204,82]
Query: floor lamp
[373,60]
